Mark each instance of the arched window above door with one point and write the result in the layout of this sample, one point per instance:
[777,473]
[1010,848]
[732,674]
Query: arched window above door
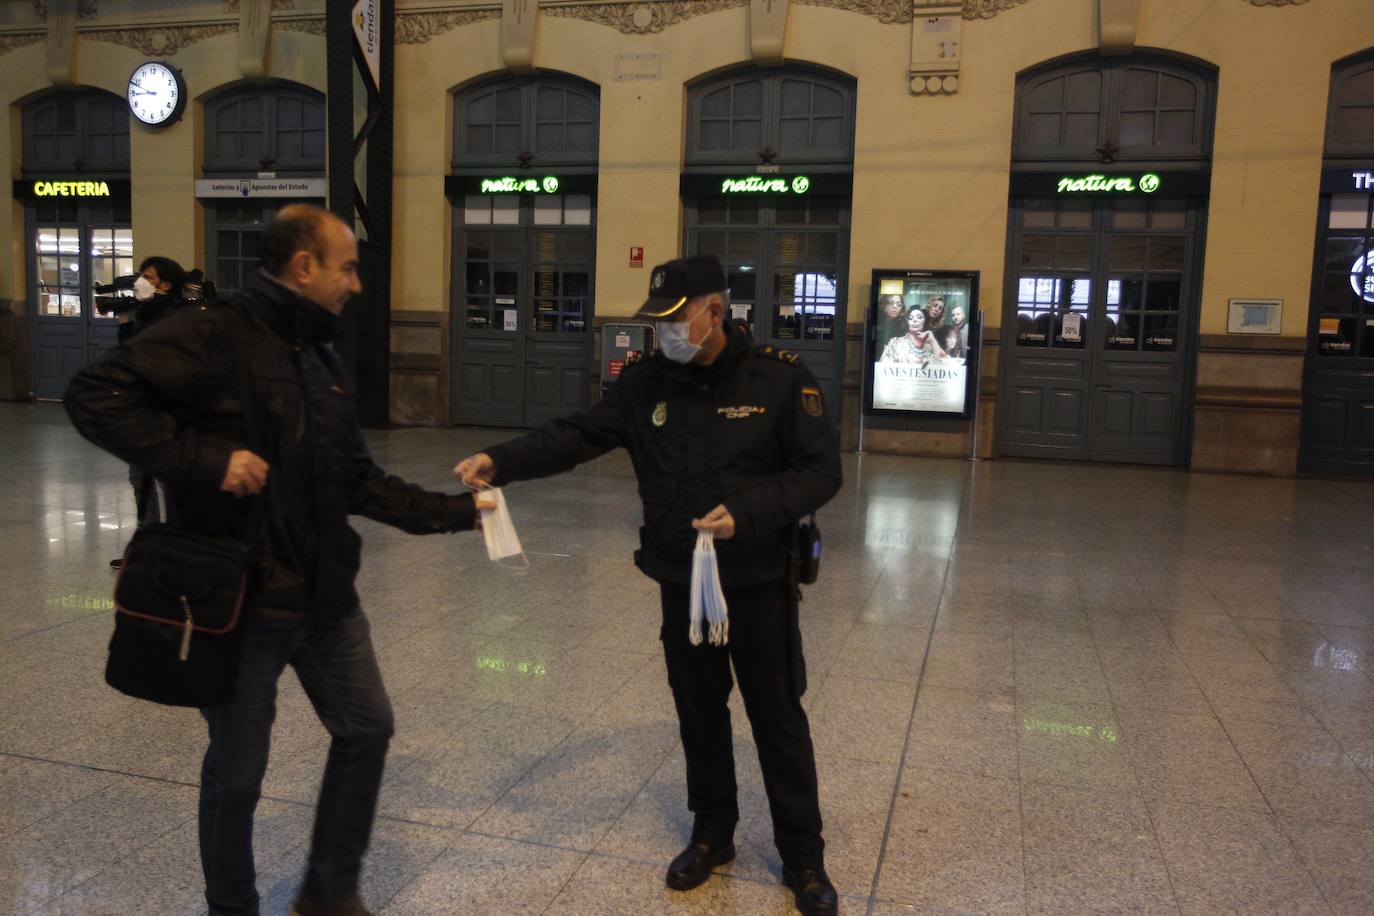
[1106,110]
[75,131]
[792,116]
[279,127]
[1350,114]
[509,122]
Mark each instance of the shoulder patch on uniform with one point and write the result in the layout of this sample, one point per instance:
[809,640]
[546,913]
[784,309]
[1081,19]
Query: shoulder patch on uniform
[811,401]
[784,356]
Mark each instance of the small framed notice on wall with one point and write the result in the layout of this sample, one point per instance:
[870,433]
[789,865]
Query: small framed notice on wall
[1255,316]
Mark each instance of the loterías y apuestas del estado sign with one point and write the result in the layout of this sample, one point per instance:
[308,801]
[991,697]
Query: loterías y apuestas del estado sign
[1099,184]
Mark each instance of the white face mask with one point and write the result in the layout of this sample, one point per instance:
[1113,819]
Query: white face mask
[675,339]
[706,601]
[144,289]
[499,531]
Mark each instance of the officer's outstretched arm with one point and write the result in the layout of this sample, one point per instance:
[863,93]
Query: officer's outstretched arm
[563,443]
[812,475]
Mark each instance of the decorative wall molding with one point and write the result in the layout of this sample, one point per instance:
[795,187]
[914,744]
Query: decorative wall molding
[305,26]
[896,12]
[232,6]
[11,41]
[85,9]
[160,42]
[418,28]
[642,18]
[986,9]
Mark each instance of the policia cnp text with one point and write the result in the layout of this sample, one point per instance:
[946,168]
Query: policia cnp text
[731,438]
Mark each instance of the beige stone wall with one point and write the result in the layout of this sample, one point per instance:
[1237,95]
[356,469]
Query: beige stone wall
[167,218]
[931,173]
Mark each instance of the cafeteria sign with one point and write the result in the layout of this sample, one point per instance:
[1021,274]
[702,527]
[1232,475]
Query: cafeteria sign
[71,189]
[1098,184]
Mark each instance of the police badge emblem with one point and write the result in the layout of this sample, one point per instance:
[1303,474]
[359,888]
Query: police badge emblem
[658,280]
[811,401]
[660,415]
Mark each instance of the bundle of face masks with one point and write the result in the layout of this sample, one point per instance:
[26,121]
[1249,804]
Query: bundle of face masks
[707,600]
[499,532]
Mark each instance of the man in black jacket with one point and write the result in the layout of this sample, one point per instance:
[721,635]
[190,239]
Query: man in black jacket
[169,402]
[729,438]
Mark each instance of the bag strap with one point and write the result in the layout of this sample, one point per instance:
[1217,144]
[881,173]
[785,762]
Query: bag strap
[243,372]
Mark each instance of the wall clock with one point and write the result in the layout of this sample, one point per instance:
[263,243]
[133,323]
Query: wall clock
[157,94]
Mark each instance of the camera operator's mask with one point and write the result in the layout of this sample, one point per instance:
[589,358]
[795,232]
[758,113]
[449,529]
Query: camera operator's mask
[144,289]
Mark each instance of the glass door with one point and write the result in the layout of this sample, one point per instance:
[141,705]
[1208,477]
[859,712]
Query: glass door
[1102,299]
[73,248]
[525,308]
[784,260]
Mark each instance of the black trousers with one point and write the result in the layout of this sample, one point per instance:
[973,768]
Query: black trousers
[765,647]
[338,668]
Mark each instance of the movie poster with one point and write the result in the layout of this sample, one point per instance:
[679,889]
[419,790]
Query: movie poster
[921,342]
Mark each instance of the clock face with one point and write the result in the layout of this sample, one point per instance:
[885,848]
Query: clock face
[155,93]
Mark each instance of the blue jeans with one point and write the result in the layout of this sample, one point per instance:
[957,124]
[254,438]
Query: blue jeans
[338,669]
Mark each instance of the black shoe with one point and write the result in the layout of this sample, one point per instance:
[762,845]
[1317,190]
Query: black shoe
[693,865]
[117,563]
[813,891]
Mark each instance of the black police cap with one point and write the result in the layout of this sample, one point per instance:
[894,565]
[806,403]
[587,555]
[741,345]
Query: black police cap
[671,285]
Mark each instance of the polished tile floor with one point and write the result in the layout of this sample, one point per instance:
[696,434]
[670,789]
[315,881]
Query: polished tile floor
[1035,688]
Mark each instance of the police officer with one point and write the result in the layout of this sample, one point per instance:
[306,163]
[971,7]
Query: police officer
[731,438]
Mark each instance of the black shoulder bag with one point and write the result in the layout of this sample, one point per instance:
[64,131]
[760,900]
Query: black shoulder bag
[180,597]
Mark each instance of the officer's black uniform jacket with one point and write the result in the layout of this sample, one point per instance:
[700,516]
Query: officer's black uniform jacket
[168,402]
[748,431]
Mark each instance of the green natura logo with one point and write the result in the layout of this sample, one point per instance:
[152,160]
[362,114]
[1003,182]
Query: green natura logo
[1149,182]
[800,184]
[550,185]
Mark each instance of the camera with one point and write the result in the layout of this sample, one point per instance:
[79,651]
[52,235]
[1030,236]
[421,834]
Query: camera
[199,289]
[116,298]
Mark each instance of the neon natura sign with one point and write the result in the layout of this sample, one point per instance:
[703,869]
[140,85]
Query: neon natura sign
[1104,184]
[508,185]
[757,184]
[71,189]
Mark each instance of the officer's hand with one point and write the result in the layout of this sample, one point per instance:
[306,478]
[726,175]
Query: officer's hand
[477,471]
[246,475]
[718,521]
[484,502]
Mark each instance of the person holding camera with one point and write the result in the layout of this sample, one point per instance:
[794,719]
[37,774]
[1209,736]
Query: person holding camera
[158,292]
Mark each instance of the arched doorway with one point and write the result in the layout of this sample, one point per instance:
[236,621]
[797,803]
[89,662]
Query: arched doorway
[263,145]
[523,191]
[1110,174]
[75,188]
[767,187]
[1338,383]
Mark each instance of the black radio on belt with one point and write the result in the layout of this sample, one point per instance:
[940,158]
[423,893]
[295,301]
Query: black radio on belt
[809,551]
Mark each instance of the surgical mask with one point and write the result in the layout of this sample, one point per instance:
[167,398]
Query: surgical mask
[675,339]
[144,289]
[499,532]
[706,599]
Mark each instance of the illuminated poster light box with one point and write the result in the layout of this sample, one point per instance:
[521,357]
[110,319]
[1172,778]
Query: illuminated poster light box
[922,344]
